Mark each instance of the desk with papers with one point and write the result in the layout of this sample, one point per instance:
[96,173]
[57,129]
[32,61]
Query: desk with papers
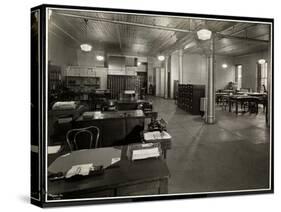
[130,170]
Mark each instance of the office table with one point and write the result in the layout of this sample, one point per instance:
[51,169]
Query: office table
[257,94]
[242,100]
[99,99]
[133,104]
[123,178]
[60,121]
[219,96]
[116,127]
[166,143]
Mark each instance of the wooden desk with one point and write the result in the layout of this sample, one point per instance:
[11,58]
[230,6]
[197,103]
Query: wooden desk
[236,99]
[166,144]
[257,94]
[228,91]
[116,127]
[124,178]
[134,104]
[219,96]
[58,130]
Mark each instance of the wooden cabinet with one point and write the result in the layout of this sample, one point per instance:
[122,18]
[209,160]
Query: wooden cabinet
[189,97]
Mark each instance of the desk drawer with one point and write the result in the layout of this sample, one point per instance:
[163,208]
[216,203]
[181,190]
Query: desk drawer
[102,193]
[146,188]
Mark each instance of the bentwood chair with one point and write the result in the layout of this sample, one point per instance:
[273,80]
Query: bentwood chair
[83,138]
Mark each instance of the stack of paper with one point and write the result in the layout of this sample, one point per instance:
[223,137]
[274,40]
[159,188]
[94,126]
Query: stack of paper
[156,135]
[139,154]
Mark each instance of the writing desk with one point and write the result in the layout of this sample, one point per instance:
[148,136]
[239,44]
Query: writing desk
[123,178]
[116,127]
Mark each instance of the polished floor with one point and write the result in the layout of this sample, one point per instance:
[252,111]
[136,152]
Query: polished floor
[232,154]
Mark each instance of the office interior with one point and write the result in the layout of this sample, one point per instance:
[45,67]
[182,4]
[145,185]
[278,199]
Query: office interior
[143,104]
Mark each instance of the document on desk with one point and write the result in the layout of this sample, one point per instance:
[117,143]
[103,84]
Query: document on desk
[99,157]
[115,160]
[81,169]
[53,149]
[139,154]
[156,135]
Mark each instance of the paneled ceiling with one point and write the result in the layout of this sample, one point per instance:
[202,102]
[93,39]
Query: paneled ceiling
[142,35]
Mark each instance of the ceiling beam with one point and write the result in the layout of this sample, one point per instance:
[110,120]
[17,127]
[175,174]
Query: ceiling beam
[125,23]
[119,37]
[232,29]
[232,34]
[241,38]
[66,33]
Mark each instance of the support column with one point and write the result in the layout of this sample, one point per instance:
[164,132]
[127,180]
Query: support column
[210,119]
[180,66]
[269,81]
[166,77]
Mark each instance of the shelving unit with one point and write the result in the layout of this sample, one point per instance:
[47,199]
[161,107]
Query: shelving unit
[82,79]
[55,77]
[82,84]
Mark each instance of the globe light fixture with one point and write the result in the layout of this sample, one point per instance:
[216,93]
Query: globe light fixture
[204,34]
[86,47]
[261,61]
[100,58]
[161,57]
[224,65]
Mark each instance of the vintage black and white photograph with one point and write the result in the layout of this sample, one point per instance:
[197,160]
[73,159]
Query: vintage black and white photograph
[151,104]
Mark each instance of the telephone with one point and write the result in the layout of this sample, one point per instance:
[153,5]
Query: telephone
[157,125]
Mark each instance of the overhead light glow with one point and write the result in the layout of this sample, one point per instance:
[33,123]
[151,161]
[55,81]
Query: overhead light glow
[224,65]
[189,45]
[161,57]
[49,14]
[204,34]
[262,61]
[86,47]
[100,58]
[139,63]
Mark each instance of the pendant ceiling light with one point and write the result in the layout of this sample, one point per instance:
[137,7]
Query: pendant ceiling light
[262,61]
[224,65]
[204,34]
[161,57]
[100,58]
[85,46]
